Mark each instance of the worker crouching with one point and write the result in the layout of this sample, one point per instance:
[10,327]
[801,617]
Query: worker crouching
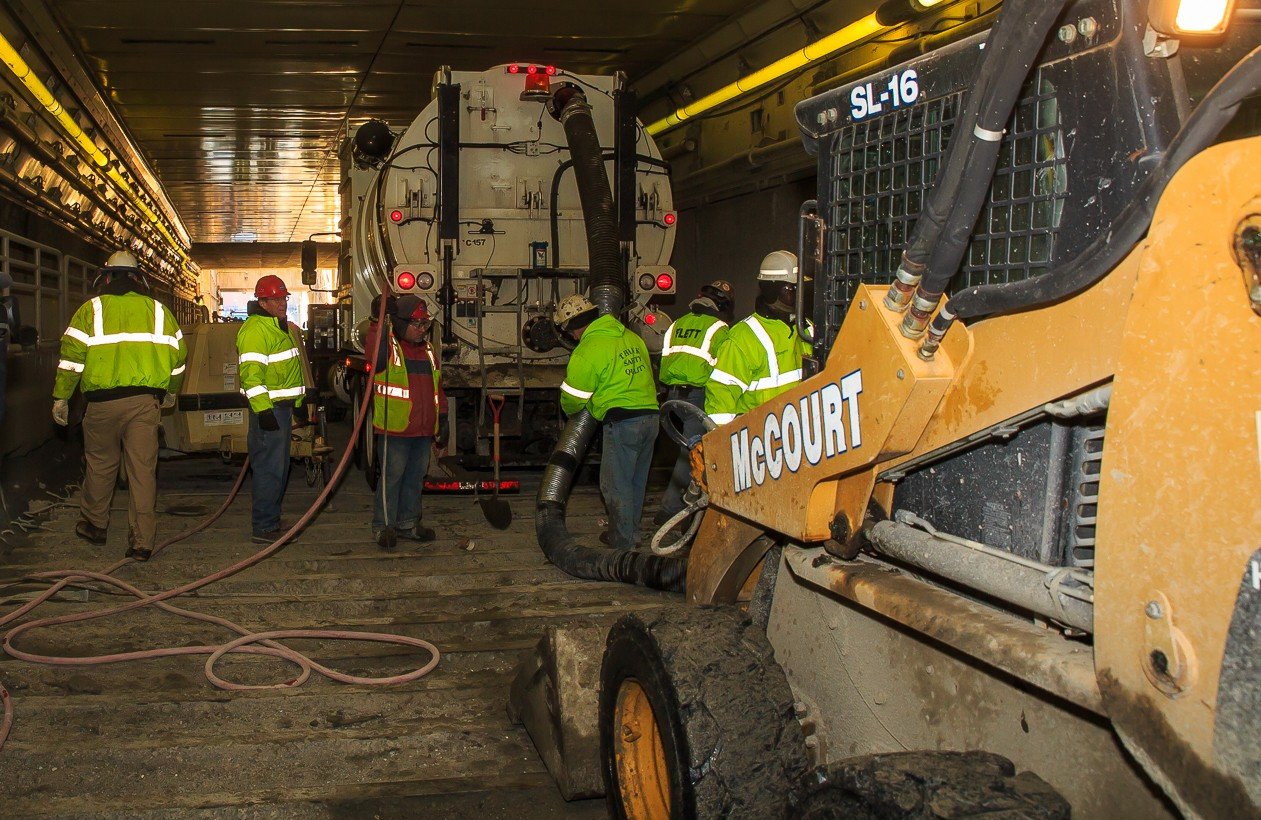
[126,352]
[270,371]
[409,415]
[610,375]
[687,360]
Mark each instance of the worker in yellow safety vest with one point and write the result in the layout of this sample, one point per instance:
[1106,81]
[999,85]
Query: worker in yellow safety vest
[763,354]
[124,350]
[409,415]
[270,370]
[609,375]
[688,357]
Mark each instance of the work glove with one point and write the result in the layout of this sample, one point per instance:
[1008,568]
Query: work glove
[168,401]
[444,433]
[267,421]
[61,412]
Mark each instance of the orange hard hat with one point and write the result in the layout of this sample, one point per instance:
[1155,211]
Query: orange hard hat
[270,287]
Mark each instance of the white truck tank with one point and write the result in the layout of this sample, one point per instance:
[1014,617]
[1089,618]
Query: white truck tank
[520,244]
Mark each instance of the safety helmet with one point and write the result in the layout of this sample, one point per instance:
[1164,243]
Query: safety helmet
[571,310]
[779,266]
[270,287]
[123,261]
[120,263]
[412,308]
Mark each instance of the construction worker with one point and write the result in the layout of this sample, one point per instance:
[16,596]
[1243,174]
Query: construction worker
[763,354]
[687,359]
[125,351]
[271,377]
[409,414]
[610,375]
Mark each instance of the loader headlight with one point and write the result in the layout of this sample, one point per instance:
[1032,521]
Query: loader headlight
[1193,17]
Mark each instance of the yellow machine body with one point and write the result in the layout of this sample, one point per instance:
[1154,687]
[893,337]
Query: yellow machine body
[1175,330]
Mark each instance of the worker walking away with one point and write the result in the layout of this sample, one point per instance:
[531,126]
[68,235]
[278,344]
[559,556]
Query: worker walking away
[409,414]
[125,351]
[687,360]
[610,375]
[763,354]
[270,371]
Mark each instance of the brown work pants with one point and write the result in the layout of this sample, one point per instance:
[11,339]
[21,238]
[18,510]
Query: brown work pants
[124,429]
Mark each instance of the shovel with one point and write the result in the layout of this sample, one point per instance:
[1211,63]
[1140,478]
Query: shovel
[498,513]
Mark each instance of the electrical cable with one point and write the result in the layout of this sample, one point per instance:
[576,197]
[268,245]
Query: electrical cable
[247,639]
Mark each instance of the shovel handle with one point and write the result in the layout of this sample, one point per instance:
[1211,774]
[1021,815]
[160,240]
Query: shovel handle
[496,407]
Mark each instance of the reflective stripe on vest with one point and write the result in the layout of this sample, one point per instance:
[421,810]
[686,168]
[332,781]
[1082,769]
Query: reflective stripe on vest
[100,337]
[701,352]
[274,358]
[775,379]
[575,392]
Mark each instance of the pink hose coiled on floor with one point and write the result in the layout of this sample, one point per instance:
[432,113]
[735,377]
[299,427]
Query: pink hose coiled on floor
[266,641]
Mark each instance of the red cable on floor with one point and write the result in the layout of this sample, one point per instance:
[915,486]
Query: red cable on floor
[244,643]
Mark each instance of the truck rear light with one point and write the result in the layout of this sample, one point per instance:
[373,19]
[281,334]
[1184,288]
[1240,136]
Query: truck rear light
[669,218]
[650,319]
[647,281]
[406,280]
[396,216]
[665,281]
[424,281]
[513,68]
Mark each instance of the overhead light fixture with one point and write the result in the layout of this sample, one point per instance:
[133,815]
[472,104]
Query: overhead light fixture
[896,12]
[819,50]
[1190,17]
[13,60]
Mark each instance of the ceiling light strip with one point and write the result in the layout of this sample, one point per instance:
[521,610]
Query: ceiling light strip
[11,58]
[816,51]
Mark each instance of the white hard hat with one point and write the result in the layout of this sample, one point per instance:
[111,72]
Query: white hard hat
[123,259]
[571,307]
[779,266]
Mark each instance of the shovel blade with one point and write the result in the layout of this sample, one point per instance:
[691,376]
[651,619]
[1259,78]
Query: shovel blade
[498,513]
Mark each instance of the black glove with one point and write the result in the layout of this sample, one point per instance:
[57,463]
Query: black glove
[444,433]
[267,421]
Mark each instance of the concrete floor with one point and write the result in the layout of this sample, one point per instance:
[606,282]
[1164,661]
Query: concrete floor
[154,738]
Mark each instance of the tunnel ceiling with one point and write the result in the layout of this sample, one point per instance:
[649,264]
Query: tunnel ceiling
[240,104]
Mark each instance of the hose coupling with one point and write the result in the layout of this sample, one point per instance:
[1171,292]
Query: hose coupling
[936,332]
[899,294]
[921,311]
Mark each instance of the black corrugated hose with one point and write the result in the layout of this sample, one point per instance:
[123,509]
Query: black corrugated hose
[1213,113]
[563,549]
[608,292]
[607,280]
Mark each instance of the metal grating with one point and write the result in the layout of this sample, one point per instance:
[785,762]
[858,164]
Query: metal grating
[883,168]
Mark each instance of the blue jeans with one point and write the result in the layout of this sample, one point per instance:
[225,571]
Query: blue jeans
[404,461]
[624,475]
[672,499]
[269,459]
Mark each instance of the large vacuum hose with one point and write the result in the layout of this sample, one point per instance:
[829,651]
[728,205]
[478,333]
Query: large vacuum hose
[564,550]
[607,279]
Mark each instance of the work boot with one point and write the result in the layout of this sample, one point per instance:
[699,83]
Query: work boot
[89,532]
[419,533]
[270,536]
[134,552]
[387,538]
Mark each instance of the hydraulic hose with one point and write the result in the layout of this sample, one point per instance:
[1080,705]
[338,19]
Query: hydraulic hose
[607,278]
[944,228]
[246,640]
[1202,127]
[564,550]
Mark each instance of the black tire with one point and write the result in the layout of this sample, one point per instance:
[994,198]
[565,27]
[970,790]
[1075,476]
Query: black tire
[731,746]
[931,785]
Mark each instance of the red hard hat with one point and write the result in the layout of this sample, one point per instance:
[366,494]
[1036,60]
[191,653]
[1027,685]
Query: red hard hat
[269,287]
[412,307]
